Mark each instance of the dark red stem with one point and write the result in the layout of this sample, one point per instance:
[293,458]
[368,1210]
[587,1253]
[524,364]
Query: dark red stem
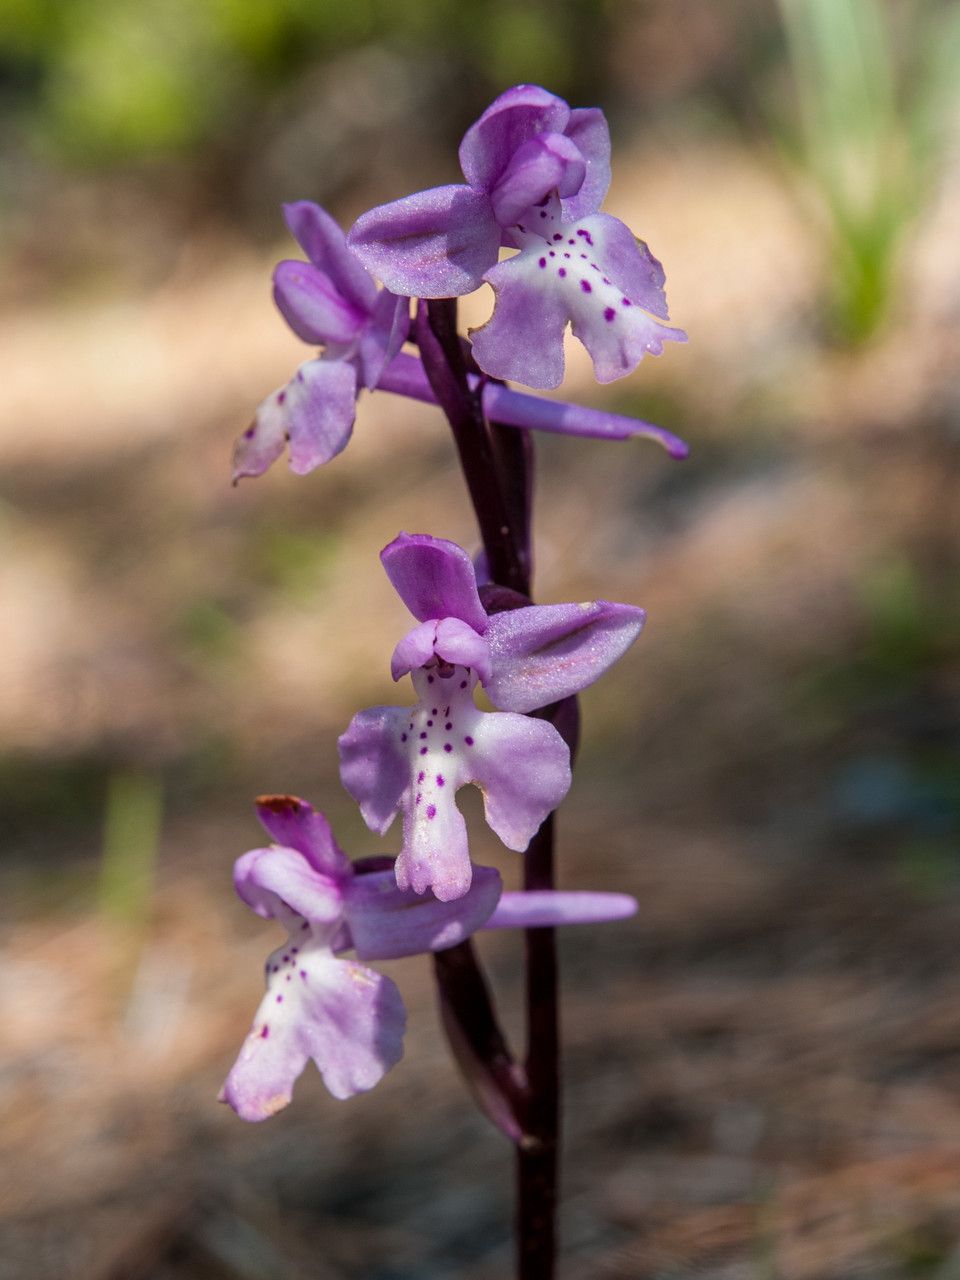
[523,1101]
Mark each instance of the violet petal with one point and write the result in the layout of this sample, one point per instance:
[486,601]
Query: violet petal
[294,823]
[458,643]
[511,119]
[373,764]
[546,908]
[312,306]
[321,406]
[416,649]
[383,337]
[522,766]
[591,272]
[386,922]
[548,162]
[434,578]
[435,244]
[523,339]
[587,127]
[546,652]
[323,241]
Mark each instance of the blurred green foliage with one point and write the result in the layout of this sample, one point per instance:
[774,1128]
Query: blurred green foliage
[101,81]
[874,104]
[131,837]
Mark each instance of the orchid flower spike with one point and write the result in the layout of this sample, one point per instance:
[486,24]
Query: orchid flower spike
[413,760]
[346,1017]
[329,301]
[537,173]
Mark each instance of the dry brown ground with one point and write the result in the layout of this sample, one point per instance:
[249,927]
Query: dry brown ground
[763,1070]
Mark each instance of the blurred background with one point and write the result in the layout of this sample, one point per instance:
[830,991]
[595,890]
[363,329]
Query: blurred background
[763,1068]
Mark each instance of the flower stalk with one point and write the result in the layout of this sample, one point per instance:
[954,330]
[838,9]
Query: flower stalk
[534,1106]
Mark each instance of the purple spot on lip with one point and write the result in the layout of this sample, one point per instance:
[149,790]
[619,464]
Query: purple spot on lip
[429,679]
[562,272]
[249,433]
[583,256]
[463,684]
[434,711]
[264,1031]
[543,213]
[552,254]
[571,242]
[625,302]
[431,810]
[447,746]
[422,736]
[281,397]
[279,999]
[303,974]
[448,725]
[558,236]
[423,751]
[304,925]
[581,231]
[609,314]
[429,726]
[403,737]
[420,776]
[418,799]
[543,262]
[440,780]
[586,286]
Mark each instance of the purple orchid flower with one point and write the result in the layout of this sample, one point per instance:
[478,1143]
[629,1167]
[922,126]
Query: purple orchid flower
[346,1017]
[414,760]
[332,302]
[537,173]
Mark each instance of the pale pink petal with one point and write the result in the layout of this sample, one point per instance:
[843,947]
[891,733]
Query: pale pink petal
[345,1017]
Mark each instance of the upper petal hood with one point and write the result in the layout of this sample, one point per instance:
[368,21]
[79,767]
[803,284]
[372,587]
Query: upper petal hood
[297,825]
[434,578]
[511,120]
